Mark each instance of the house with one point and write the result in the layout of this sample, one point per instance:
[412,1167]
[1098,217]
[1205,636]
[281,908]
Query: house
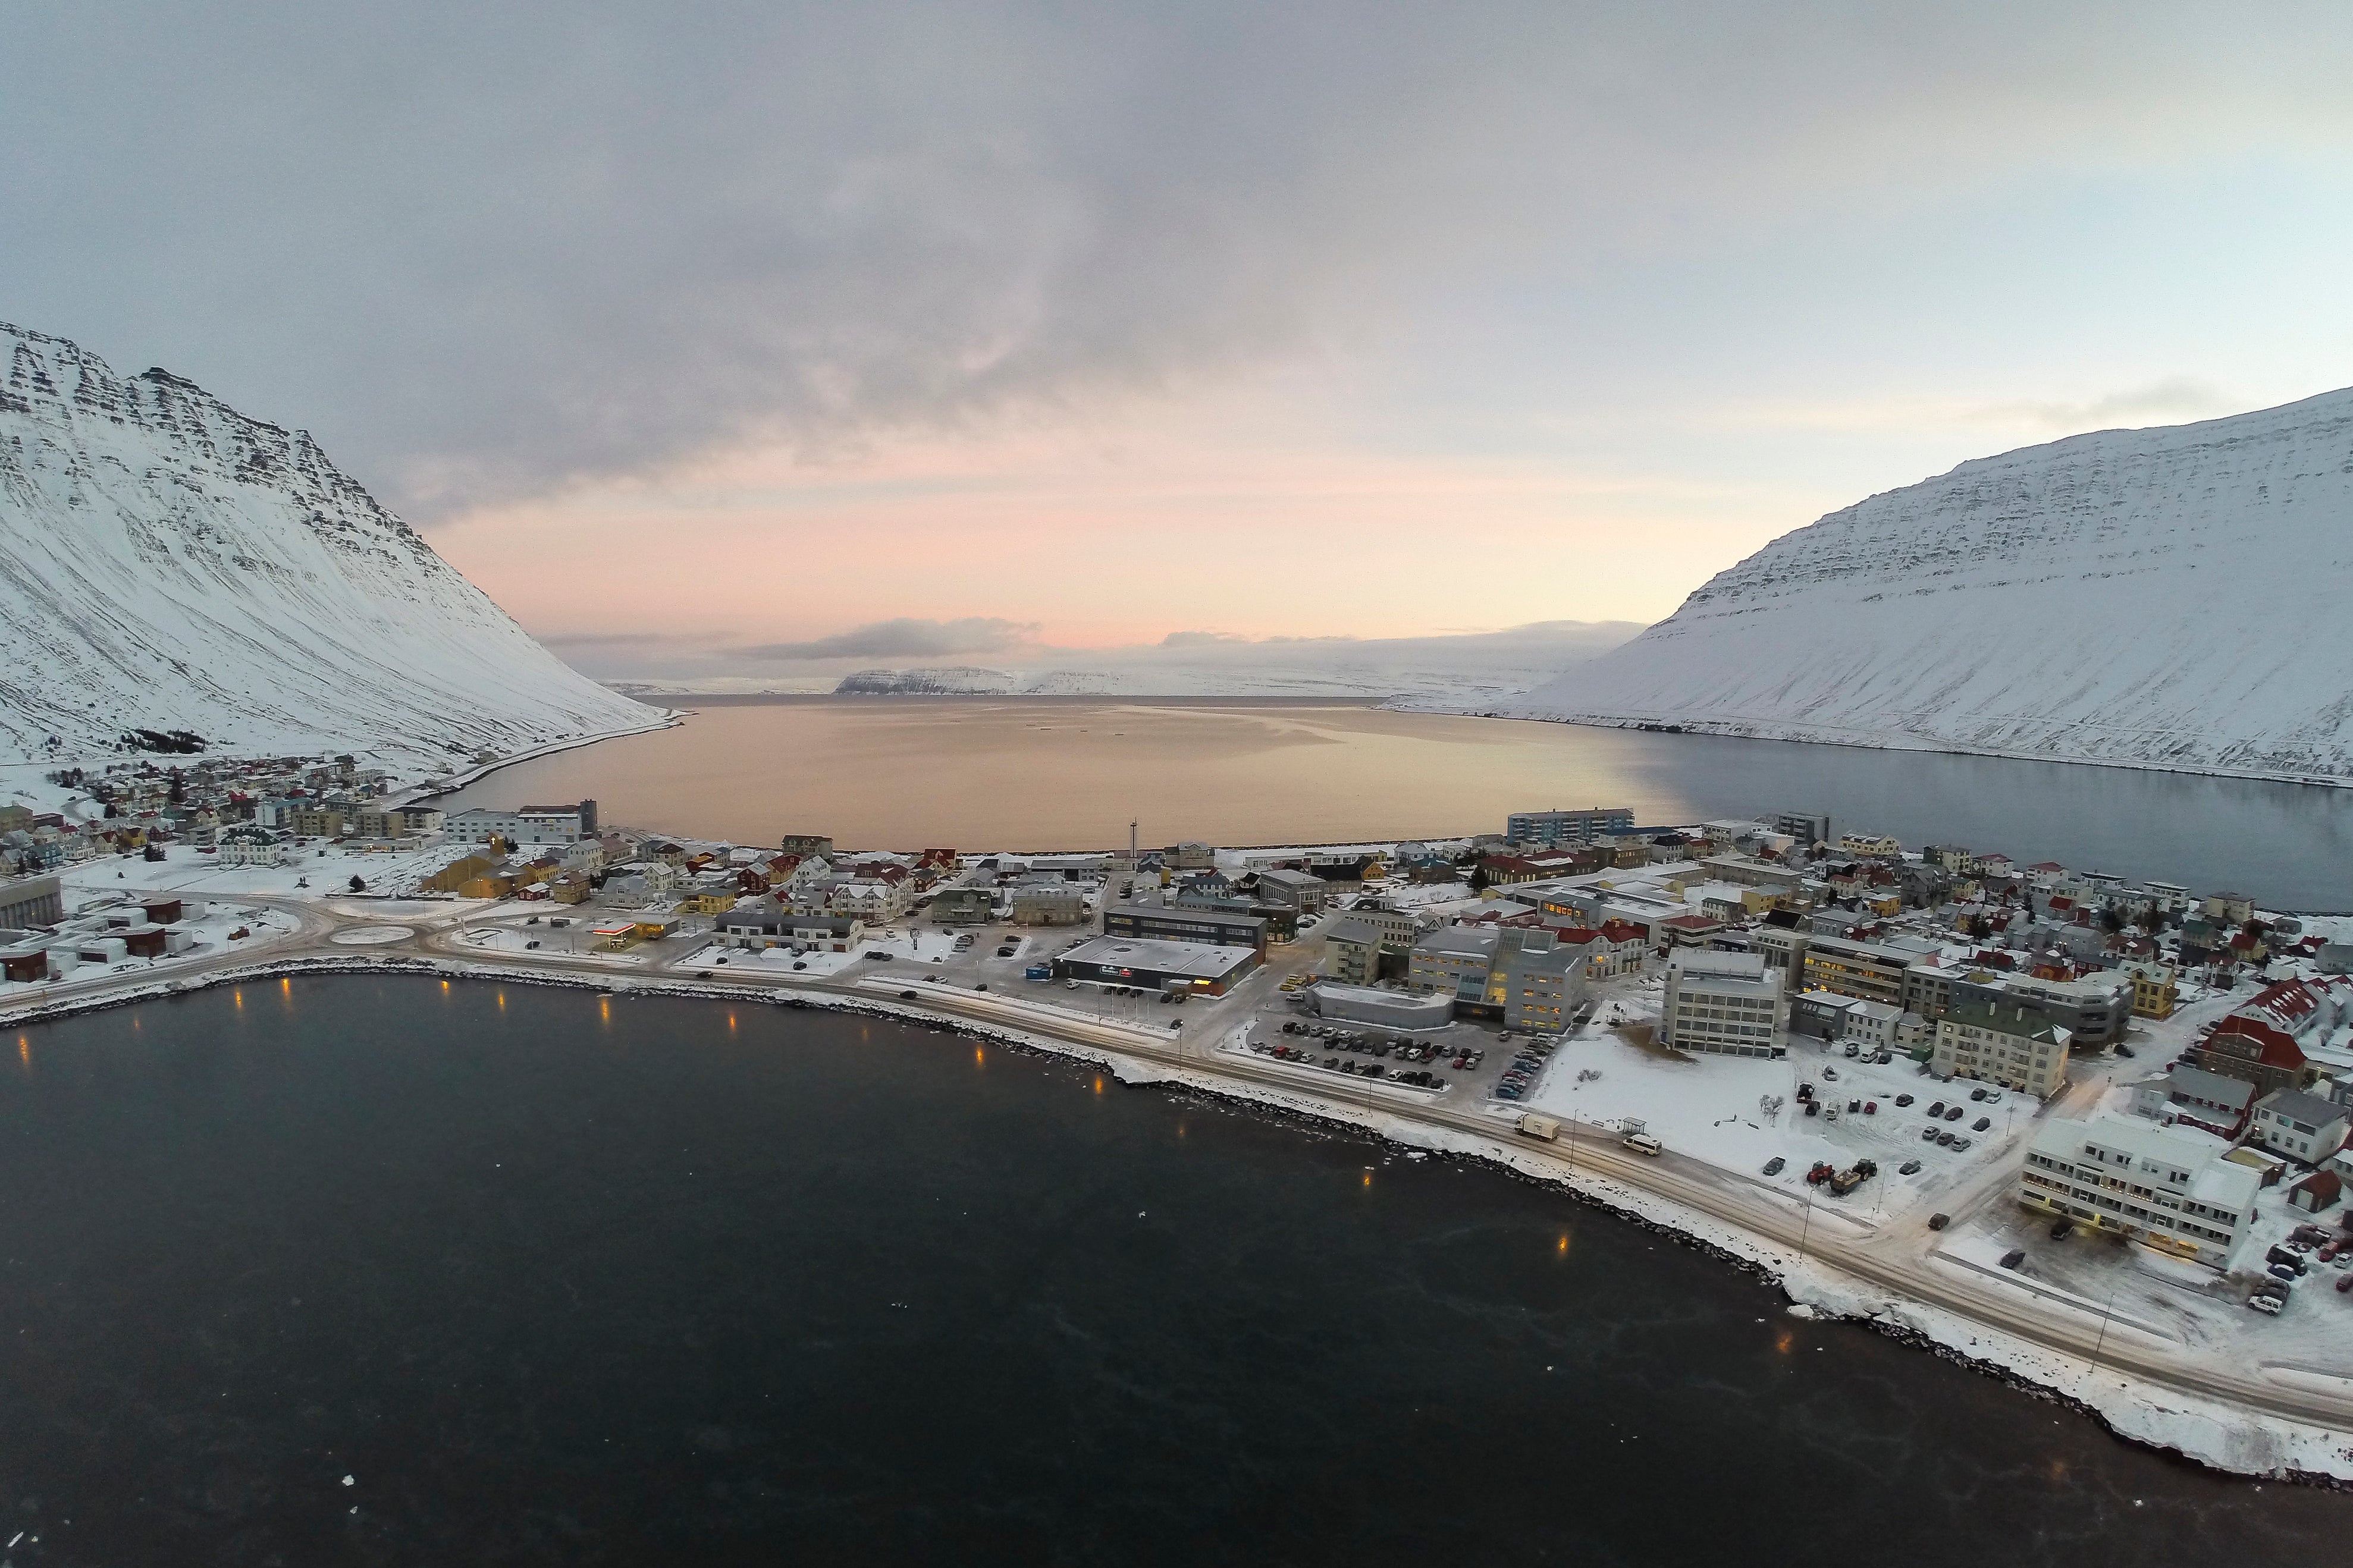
[1724,1004]
[708,901]
[2218,1104]
[1189,857]
[1869,847]
[2304,1127]
[2156,988]
[2174,1188]
[1295,889]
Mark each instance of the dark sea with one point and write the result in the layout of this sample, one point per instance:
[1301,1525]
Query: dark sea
[376,1271]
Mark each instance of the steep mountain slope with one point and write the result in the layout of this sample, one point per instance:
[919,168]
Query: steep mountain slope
[2172,597]
[167,564]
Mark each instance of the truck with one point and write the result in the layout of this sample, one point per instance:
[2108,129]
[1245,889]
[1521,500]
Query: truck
[1037,972]
[1535,1126]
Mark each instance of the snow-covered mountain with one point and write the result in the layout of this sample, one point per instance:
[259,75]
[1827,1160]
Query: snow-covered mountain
[171,564]
[2173,597]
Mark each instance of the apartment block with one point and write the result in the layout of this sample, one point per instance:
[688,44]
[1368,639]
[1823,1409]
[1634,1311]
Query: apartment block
[1723,1003]
[2171,1187]
[2010,1045]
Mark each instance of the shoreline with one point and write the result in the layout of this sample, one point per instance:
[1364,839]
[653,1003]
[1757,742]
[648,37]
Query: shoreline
[1728,730]
[2150,1414]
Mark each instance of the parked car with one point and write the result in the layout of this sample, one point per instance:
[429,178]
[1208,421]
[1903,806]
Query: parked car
[1937,1109]
[2125,1051]
[2345,1284]
[1911,1168]
[2268,1306]
[1977,1094]
[1774,1166]
[2280,1271]
[1929,1134]
[2013,1258]
[1870,1108]
[1982,1124]
[1902,1099]
[1952,1114]
[1961,1145]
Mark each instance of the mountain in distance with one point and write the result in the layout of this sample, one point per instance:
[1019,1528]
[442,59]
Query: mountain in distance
[2172,597]
[173,565]
[1458,669]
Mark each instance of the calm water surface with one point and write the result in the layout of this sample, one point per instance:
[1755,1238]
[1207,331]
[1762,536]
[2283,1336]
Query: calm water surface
[558,1281]
[1069,773]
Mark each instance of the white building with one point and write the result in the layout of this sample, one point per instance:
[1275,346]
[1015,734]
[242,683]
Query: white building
[535,824]
[248,846]
[873,901]
[1728,1004]
[2304,1127]
[2168,1186]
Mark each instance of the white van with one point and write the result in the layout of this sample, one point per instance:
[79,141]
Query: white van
[1643,1143]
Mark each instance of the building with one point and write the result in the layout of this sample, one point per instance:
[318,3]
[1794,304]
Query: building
[2263,1041]
[2204,1099]
[1292,890]
[873,900]
[1550,828]
[1157,965]
[1048,904]
[1781,938]
[2318,1193]
[963,906]
[2009,1046]
[1723,1004]
[531,825]
[2304,1127]
[2156,989]
[1352,946]
[1189,857]
[2173,1188]
[1689,931]
[1529,978]
[1384,1009]
[2229,909]
[313,820]
[1158,923]
[246,845]
[1870,847]
[1819,1014]
[28,902]
[807,845]
[1807,827]
[2095,1010]
[1852,968]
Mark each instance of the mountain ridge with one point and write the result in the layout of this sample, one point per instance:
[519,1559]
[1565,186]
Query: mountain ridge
[175,564]
[2161,597]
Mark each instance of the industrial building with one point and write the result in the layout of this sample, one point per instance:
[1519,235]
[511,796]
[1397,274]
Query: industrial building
[1383,1009]
[1157,965]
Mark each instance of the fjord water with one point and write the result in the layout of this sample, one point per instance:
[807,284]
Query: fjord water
[1069,773]
[554,1279]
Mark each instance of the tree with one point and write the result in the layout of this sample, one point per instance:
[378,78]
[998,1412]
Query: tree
[1478,879]
[358,885]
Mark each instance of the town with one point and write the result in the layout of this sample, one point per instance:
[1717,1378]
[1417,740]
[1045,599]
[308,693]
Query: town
[1870,1024]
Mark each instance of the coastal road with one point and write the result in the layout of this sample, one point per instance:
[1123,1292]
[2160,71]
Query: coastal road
[1896,1258]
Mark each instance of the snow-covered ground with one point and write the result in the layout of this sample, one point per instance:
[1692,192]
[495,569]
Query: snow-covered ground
[2113,597]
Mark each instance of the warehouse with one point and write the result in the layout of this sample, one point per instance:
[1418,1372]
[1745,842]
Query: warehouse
[1157,965]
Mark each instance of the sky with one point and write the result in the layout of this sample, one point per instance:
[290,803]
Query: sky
[768,337]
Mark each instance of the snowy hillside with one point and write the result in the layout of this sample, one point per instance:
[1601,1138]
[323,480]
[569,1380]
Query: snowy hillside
[2172,597]
[170,564]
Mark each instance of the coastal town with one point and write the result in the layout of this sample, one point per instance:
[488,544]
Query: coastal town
[2117,1073]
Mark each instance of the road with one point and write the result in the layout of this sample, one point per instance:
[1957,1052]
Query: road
[1897,1257]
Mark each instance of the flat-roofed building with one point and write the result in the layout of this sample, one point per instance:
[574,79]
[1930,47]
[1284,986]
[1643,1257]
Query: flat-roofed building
[1048,904]
[27,901]
[1352,947]
[1723,1004]
[1853,968]
[1386,1009]
[1157,965]
[1567,826]
[1157,922]
[2173,1188]
[533,825]
[1296,889]
[2009,1045]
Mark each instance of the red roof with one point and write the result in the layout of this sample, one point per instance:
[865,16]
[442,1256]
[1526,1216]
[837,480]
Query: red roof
[1616,931]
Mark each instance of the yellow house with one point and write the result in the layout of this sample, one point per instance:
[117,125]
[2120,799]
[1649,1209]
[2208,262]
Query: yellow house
[710,901]
[569,890]
[453,877]
[2155,992]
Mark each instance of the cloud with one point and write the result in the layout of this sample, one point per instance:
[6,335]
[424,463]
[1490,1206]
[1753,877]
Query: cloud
[484,253]
[906,638]
[621,640]
[1200,639]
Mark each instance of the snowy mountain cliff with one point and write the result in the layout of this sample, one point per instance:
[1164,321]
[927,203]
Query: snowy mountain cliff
[2172,597]
[170,564]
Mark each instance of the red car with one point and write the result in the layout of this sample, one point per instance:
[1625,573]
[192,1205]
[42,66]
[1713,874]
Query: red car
[1870,1108]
